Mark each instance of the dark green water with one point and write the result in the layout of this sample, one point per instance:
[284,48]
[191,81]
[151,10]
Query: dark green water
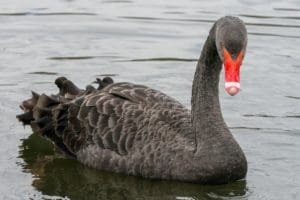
[155,43]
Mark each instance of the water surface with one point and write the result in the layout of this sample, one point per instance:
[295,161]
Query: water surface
[156,43]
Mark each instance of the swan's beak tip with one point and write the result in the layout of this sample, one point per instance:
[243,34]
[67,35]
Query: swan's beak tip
[232,88]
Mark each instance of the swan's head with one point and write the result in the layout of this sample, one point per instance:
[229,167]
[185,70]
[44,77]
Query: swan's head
[231,42]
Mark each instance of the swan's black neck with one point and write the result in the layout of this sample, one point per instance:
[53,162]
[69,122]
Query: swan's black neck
[207,118]
[217,155]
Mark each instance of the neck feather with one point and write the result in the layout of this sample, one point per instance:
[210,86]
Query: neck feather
[207,118]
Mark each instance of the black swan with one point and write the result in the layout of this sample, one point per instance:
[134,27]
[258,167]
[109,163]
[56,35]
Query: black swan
[136,130]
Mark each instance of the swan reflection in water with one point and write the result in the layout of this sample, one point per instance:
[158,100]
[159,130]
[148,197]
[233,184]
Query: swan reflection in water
[58,176]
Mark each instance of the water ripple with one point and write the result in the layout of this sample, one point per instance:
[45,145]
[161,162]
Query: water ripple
[273,35]
[273,25]
[7,84]
[117,1]
[43,73]
[82,57]
[161,59]
[207,21]
[271,116]
[107,75]
[292,97]
[246,128]
[42,14]
[270,17]
[292,116]
[71,57]
[287,9]
[260,115]
[165,19]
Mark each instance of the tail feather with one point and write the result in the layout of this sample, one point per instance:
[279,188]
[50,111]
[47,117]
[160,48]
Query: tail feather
[30,103]
[26,117]
[39,112]
[55,116]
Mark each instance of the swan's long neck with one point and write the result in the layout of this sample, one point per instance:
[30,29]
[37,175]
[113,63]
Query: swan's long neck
[207,118]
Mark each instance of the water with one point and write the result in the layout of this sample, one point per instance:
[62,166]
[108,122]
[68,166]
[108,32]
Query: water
[155,43]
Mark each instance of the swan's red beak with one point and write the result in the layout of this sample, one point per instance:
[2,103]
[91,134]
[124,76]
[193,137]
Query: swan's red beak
[232,72]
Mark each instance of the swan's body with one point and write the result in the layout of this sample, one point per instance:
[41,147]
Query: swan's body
[136,130]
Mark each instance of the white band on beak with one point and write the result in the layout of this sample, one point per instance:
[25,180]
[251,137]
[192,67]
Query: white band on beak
[230,84]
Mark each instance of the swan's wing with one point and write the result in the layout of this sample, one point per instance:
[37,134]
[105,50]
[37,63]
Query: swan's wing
[120,117]
[142,94]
